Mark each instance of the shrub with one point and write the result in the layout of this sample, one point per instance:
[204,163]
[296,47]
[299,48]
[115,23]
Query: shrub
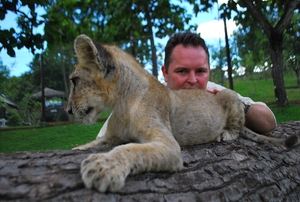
[13,118]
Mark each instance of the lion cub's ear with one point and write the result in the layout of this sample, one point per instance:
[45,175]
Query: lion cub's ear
[87,51]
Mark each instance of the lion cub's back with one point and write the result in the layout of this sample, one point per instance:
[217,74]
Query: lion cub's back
[196,117]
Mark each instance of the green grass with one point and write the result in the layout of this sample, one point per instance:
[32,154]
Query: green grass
[48,138]
[289,113]
[263,89]
[69,136]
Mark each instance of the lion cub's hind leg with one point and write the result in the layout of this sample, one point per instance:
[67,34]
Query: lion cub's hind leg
[233,109]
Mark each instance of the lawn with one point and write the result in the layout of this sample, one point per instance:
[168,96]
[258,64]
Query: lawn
[69,136]
[48,138]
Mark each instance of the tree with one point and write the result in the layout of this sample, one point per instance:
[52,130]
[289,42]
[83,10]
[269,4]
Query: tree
[138,22]
[52,69]
[228,56]
[218,55]
[253,53]
[273,27]
[166,18]
[27,22]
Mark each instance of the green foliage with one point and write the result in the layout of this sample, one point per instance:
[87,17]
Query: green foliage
[16,87]
[4,76]
[29,110]
[53,74]
[27,22]
[131,24]
[14,118]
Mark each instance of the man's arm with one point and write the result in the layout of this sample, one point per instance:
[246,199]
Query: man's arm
[260,118]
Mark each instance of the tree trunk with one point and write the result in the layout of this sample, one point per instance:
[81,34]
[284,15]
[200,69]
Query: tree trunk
[132,44]
[63,69]
[277,69]
[229,70]
[152,44]
[43,90]
[238,170]
[297,72]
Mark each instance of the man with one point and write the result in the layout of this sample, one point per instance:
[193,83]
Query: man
[187,66]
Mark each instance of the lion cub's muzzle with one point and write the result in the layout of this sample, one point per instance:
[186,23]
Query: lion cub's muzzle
[83,113]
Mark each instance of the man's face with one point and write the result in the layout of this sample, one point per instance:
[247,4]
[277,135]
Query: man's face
[188,68]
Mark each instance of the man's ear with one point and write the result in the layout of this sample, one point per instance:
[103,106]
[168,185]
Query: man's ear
[165,73]
[88,51]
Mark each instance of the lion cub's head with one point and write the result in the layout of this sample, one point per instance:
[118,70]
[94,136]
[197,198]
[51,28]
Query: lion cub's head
[92,80]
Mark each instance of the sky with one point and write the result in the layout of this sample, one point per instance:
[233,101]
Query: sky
[210,28]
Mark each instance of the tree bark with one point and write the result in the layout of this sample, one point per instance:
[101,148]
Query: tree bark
[151,38]
[277,69]
[297,72]
[238,170]
[229,70]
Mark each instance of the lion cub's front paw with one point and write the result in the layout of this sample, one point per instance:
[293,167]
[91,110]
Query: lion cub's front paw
[102,172]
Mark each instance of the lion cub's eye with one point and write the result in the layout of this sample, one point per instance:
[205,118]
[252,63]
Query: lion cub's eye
[74,80]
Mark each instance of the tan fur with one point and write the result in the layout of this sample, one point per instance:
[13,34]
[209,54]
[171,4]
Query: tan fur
[149,121]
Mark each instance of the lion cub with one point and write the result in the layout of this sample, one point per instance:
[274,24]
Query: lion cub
[149,121]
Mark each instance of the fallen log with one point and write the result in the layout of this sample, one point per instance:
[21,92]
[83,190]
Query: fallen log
[239,170]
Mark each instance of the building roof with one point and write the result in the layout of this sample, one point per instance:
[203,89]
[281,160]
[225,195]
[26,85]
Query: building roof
[49,93]
[8,102]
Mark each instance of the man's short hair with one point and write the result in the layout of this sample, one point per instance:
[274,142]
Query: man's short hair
[186,39]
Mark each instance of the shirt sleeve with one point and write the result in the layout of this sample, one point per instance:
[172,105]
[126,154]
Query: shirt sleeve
[103,129]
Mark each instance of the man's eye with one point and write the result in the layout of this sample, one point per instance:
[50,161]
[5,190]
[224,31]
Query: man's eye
[201,71]
[182,71]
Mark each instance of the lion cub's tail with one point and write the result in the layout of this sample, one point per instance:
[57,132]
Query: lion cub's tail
[288,142]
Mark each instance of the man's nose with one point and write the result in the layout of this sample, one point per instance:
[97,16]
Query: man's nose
[192,78]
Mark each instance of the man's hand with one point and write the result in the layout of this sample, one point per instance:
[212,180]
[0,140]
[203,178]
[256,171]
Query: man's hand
[214,91]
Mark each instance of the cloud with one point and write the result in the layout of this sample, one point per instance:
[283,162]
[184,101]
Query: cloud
[213,30]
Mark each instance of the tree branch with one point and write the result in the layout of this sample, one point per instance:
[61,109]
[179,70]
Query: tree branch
[259,17]
[285,19]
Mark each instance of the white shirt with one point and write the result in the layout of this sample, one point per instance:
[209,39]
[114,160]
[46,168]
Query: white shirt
[210,86]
